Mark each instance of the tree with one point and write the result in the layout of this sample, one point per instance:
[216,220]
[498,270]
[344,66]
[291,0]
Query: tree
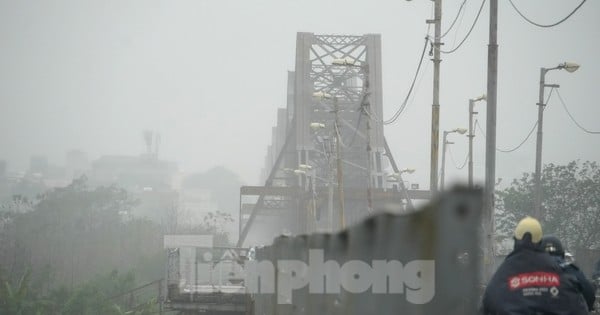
[570,203]
[74,233]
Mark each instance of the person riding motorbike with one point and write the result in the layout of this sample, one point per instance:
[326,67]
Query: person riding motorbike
[553,246]
[531,282]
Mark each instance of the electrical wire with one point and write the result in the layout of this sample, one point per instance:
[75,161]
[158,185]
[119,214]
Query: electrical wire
[339,136]
[454,161]
[468,33]
[546,25]
[572,118]
[412,85]
[355,130]
[460,21]
[515,148]
[526,138]
[455,19]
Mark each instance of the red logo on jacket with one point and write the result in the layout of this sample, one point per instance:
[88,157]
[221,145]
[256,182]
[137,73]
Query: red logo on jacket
[534,279]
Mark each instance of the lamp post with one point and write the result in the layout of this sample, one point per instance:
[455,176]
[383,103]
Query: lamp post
[338,144]
[444,143]
[569,67]
[366,109]
[398,177]
[471,135]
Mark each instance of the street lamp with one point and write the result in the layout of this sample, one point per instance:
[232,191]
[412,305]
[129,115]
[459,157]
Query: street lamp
[344,61]
[366,109]
[398,176]
[338,145]
[316,126]
[471,134]
[407,170]
[569,67]
[446,142]
[305,167]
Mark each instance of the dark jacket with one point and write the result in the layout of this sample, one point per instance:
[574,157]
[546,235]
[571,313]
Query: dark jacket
[583,284]
[529,281]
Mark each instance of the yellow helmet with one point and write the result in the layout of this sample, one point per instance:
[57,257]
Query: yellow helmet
[531,226]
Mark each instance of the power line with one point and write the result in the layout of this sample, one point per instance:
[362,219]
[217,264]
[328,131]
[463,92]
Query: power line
[546,25]
[572,118]
[454,161]
[355,130]
[468,33]
[526,138]
[515,148]
[460,21]
[412,85]
[455,19]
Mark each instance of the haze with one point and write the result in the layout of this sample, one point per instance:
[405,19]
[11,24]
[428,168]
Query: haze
[209,76]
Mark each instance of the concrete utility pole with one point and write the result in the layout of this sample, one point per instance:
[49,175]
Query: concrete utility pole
[490,145]
[366,105]
[537,209]
[435,108]
[445,142]
[471,135]
[338,145]
[570,67]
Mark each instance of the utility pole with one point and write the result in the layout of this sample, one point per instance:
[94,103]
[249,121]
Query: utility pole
[537,209]
[340,179]
[366,105]
[330,190]
[444,143]
[471,136]
[490,143]
[569,67]
[435,108]
[443,172]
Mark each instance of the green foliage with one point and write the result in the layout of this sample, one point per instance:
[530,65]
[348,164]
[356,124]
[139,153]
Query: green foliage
[66,238]
[571,203]
[100,296]
[74,233]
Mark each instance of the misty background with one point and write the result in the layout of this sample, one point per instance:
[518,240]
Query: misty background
[167,108]
[209,75]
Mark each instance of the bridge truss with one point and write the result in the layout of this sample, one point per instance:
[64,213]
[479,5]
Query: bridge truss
[302,173]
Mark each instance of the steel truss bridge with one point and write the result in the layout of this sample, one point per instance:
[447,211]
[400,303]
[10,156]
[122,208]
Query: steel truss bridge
[320,143]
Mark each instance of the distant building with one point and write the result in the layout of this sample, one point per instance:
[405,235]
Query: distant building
[45,174]
[146,178]
[134,173]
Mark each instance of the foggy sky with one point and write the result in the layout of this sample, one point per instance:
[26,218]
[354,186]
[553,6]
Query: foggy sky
[209,76]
